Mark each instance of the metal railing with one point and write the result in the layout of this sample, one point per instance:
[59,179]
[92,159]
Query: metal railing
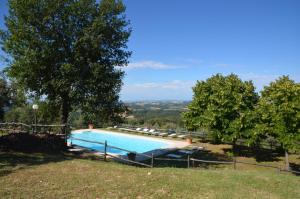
[106,154]
[189,160]
[14,126]
[17,127]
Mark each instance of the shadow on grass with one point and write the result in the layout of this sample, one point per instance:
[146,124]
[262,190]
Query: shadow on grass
[22,150]
[295,167]
[183,161]
[33,143]
[260,155]
[11,161]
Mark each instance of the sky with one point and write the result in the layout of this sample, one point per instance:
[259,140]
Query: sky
[174,43]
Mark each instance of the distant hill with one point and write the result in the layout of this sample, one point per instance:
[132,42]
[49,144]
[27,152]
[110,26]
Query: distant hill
[166,105]
[166,113]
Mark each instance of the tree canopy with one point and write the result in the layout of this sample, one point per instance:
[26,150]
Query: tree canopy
[68,51]
[279,113]
[222,104]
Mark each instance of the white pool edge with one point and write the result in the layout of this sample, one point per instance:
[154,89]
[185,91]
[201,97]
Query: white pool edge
[170,143]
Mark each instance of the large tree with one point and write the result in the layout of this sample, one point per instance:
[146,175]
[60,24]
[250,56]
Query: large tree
[223,105]
[279,114]
[68,51]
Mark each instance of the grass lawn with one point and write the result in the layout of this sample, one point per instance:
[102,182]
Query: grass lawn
[59,176]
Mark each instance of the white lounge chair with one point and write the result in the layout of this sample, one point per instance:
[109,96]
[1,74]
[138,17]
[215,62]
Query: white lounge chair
[163,134]
[145,131]
[155,133]
[172,135]
[182,136]
[151,130]
[138,129]
[130,130]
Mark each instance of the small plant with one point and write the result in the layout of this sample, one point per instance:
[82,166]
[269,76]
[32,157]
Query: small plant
[230,154]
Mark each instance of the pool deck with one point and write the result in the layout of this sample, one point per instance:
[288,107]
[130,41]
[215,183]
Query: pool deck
[171,144]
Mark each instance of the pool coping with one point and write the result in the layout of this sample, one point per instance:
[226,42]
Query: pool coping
[171,144]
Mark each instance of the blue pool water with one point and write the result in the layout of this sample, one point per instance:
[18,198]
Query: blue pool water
[129,142]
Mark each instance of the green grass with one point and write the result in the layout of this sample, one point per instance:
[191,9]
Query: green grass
[60,176]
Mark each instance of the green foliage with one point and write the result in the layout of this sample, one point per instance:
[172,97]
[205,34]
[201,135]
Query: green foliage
[22,114]
[46,113]
[76,119]
[222,105]
[17,94]
[68,51]
[4,95]
[156,118]
[279,113]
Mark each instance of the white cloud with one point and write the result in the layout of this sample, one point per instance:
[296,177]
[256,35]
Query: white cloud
[151,65]
[176,89]
[175,84]
[223,65]
[182,90]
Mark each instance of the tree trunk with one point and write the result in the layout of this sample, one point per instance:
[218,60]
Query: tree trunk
[287,164]
[65,108]
[234,147]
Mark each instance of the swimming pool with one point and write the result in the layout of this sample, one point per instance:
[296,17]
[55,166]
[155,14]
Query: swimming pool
[139,144]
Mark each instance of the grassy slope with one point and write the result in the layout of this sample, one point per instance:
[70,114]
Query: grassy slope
[39,176]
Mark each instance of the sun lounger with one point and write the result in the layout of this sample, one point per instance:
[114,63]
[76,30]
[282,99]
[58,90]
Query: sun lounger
[130,130]
[182,136]
[187,152]
[138,129]
[171,155]
[152,130]
[172,135]
[163,134]
[145,131]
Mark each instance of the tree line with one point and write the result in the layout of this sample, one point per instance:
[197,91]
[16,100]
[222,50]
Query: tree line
[231,109]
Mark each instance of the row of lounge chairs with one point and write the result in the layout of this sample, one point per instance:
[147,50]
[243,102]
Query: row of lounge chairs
[155,132]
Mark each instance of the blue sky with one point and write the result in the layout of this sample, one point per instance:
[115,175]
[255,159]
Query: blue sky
[176,42]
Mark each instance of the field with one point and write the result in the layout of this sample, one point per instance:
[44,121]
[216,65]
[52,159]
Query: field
[60,176]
